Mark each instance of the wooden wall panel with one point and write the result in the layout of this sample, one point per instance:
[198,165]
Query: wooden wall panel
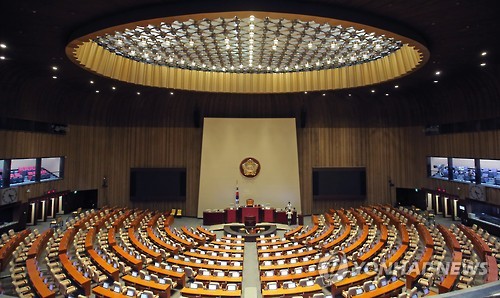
[398,154]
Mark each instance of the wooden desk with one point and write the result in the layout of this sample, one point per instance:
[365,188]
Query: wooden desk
[66,240]
[119,221]
[359,242]
[203,265]
[479,244]
[162,290]
[425,235]
[270,249]
[215,258]
[111,237]
[128,258]
[160,242]
[209,234]
[375,249]
[179,277]
[184,242]
[338,240]
[288,256]
[307,234]
[265,243]
[107,268]
[322,236]
[291,233]
[418,270]
[492,269]
[338,287]
[193,236]
[222,249]
[292,292]
[9,247]
[36,281]
[449,238]
[141,247]
[397,255]
[82,281]
[453,274]
[387,291]
[102,292]
[210,293]
[89,238]
[39,244]
[220,279]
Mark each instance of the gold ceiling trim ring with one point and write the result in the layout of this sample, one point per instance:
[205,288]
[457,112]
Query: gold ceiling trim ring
[396,62]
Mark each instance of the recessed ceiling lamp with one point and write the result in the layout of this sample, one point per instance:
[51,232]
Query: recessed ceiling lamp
[3,46]
[273,45]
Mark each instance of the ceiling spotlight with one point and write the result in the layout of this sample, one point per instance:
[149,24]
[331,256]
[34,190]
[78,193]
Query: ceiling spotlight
[483,64]
[305,92]
[138,93]
[438,72]
[171,93]
[97,91]
[3,46]
[396,86]
[2,57]
[373,90]
[54,77]
[387,94]
[349,94]
[54,67]
[435,81]
[91,82]
[323,94]
[113,88]
[484,53]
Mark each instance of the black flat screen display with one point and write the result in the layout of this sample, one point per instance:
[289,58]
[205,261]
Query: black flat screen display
[339,183]
[157,184]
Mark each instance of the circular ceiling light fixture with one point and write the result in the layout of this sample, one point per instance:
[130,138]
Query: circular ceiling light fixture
[248,52]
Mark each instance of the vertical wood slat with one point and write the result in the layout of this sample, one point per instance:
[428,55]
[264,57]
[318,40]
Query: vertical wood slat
[398,154]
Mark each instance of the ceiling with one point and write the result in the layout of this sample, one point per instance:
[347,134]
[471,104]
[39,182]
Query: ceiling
[455,32]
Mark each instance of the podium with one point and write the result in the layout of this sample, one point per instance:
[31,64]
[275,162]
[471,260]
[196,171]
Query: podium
[248,212]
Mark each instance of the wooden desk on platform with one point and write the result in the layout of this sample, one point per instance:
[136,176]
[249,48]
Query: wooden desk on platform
[210,293]
[82,281]
[162,290]
[213,218]
[37,282]
[337,240]
[292,292]
[179,277]
[389,290]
